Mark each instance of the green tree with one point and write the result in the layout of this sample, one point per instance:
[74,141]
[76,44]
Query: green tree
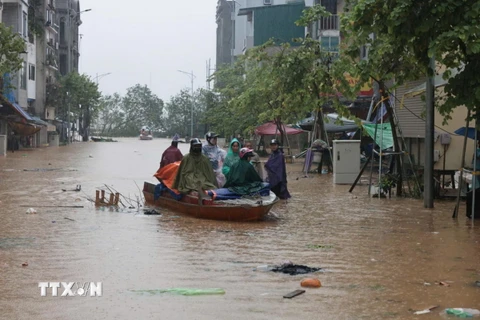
[177,114]
[402,36]
[141,107]
[11,46]
[110,117]
[79,95]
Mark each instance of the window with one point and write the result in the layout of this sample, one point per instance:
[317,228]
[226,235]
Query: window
[23,77]
[25,24]
[62,31]
[330,5]
[330,43]
[31,72]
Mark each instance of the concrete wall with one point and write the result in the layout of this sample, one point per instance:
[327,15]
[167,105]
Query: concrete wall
[31,61]
[244,28]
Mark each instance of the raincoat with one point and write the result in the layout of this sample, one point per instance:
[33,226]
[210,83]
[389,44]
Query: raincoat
[170,155]
[277,174]
[243,179]
[194,172]
[215,154]
[231,158]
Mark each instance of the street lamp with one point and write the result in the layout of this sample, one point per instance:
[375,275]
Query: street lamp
[70,64]
[98,77]
[192,76]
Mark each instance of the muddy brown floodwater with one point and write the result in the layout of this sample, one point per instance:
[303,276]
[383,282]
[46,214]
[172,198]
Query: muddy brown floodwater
[382,259]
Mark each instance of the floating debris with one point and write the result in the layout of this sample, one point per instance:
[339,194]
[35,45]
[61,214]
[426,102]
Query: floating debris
[183,291]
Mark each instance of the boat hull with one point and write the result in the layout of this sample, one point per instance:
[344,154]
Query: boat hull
[149,137]
[208,210]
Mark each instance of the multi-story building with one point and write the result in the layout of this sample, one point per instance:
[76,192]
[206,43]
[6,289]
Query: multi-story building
[243,24]
[225,35]
[69,18]
[47,59]
[15,15]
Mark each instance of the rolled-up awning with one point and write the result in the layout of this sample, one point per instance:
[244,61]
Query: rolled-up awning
[24,129]
[438,82]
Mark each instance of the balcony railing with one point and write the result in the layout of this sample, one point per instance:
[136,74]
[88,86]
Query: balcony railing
[329,23]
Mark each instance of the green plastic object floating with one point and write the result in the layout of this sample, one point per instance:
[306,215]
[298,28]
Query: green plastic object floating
[184,291]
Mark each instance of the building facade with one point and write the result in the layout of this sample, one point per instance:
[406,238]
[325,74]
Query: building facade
[15,15]
[69,43]
[225,35]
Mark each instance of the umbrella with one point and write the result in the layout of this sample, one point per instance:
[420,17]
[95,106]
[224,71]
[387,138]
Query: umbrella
[470,132]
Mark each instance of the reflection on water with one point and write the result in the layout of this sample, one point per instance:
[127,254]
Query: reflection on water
[382,258]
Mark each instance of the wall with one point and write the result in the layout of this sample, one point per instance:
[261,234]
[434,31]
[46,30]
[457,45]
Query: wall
[31,61]
[277,22]
[241,24]
[453,153]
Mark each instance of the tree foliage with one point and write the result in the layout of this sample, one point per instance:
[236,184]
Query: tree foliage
[409,32]
[11,47]
[124,116]
[74,92]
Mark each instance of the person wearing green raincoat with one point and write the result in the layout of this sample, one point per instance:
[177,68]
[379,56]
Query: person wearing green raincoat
[242,177]
[195,171]
[232,156]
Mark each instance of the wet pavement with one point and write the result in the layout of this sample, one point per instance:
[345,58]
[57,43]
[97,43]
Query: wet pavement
[380,258]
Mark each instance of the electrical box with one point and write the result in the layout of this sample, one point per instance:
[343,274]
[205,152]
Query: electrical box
[346,161]
[436,155]
[445,139]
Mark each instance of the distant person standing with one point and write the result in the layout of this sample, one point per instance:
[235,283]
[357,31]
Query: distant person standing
[277,171]
[171,154]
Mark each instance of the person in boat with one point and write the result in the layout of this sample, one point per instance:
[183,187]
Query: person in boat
[255,160]
[232,156]
[195,172]
[276,170]
[242,177]
[216,156]
[172,153]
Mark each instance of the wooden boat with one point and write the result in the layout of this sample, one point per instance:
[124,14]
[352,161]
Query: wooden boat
[208,209]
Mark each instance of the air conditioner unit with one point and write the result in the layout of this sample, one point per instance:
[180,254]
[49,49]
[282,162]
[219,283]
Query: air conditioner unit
[267,2]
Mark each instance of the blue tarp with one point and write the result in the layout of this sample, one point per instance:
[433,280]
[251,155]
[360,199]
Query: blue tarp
[225,194]
[220,194]
[470,132]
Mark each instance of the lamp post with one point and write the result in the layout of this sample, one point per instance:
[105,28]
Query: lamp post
[98,77]
[192,77]
[70,31]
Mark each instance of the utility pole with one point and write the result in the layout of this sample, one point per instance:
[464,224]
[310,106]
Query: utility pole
[192,77]
[428,192]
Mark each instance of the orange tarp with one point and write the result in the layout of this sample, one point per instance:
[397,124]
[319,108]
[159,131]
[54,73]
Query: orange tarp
[167,174]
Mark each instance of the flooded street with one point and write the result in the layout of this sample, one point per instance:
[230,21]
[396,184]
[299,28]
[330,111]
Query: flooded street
[382,259]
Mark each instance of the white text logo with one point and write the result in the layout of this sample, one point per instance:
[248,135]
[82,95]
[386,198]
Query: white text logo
[71,289]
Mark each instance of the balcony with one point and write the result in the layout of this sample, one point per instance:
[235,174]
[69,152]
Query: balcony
[52,62]
[51,26]
[329,26]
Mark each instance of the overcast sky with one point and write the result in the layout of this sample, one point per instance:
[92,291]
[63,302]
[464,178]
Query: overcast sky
[146,42]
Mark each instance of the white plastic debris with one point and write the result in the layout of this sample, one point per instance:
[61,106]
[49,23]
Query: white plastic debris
[31,211]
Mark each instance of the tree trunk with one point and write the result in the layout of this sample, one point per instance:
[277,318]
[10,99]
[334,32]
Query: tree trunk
[86,124]
[398,157]
[278,123]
